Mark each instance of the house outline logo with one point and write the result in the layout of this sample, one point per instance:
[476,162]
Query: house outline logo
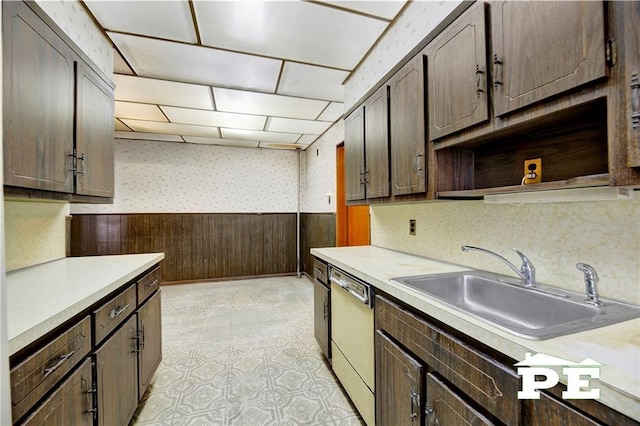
[538,365]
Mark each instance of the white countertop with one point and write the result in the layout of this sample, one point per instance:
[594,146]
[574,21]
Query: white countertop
[617,346]
[42,297]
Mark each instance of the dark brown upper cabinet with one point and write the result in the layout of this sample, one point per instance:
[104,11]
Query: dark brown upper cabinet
[457,75]
[57,114]
[542,48]
[354,155]
[407,128]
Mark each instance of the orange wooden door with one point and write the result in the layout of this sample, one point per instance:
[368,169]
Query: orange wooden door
[352,222]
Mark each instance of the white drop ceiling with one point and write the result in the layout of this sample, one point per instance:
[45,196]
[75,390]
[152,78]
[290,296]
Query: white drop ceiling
[250,73]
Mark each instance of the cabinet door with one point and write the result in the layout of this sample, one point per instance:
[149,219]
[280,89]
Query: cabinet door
[150,333]
[321,319]
[354,155]
[117,376]
[94,134]
[376,138]
[399,385]
[544,48]
[70,404]
[444,407]
[457,66]
[38,102]
[407,121]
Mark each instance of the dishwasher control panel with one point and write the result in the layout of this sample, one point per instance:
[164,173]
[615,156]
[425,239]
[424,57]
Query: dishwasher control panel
[358,289]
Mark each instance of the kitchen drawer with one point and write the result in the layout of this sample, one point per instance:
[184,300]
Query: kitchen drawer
[70,404]
[445,407]
[320,271]
[112,313]
[148,284]
[36,375]
[490,383]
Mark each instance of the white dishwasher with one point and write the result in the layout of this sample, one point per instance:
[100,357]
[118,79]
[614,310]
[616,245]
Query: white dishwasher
[352,340]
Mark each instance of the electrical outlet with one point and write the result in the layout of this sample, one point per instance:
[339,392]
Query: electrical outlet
[532,166]
[412,227]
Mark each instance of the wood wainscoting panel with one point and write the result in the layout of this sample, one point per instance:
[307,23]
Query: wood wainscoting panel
[316,230]
[197,246]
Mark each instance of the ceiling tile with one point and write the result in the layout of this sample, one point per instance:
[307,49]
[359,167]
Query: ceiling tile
[119,126]
[147,136]
[383,9]
[164,19]
[296,30]
[197,64]
[172,128]
[139,111]
[306,140]
[214,118]
[255,135]
[333,112]
[289,125]
[119,64]
[218,141]
[151,91]
[266,104]
[311,81]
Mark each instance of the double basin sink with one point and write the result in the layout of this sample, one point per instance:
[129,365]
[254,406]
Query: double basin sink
[533,313]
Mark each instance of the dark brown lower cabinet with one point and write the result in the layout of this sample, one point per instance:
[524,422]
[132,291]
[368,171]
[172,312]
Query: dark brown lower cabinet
[70,404]
[445,407]
[321,320]
[150,341]
[117,375]
[399,385]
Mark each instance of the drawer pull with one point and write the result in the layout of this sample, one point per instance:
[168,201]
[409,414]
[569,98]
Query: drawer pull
[142,337]
[117,311]
[48,371]
[152,283]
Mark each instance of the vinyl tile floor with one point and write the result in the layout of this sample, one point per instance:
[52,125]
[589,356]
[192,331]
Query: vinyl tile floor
[242,353]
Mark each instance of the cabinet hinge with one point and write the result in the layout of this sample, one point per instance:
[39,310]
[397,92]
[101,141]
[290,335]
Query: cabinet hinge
[611,52]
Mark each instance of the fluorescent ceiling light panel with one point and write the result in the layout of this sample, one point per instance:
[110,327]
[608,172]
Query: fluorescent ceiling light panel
[267,104]
[290,30]
[172,128]
[333,112]
[310,81]
[147,136]
[197,64]
[218,141]
[383,9]
[151,91]
[290,125]
[214,118]
[255,135]
[139,111]
[162,19]
[119,126]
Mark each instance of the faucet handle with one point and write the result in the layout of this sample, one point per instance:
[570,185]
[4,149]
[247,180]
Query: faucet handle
[527,269]
[590,283]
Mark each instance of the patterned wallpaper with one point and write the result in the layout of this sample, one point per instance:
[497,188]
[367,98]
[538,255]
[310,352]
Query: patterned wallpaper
[319,178]
[71,16]
[417,20]
[173,177]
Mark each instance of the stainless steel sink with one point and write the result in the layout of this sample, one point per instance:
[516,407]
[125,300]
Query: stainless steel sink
[539,313]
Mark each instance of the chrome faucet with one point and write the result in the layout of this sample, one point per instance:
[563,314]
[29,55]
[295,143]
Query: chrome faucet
[527,272]
[590,283]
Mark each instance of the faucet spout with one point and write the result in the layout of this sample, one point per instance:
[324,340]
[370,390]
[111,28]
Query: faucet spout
[526,272]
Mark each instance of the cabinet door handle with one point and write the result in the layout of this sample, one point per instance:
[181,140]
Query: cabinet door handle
[136,344]
[418,156]
[117,311]
[480,81]
[326,309]
[90,392]
[141,338]
[63,358]
[81,170]
[635,101]
[151,283]
[497,72]
[415,403]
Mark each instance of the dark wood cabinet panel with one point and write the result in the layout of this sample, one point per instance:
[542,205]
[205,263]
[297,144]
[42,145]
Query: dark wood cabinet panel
[407,129]
[117,376]
[70,404]
[38,103]
[94,134]
[322,317]
[445,407]
[376,139]
[545,48]
[354,155]
[457,75]
[399,385]
[626,17]
[107,317]
[150,341]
